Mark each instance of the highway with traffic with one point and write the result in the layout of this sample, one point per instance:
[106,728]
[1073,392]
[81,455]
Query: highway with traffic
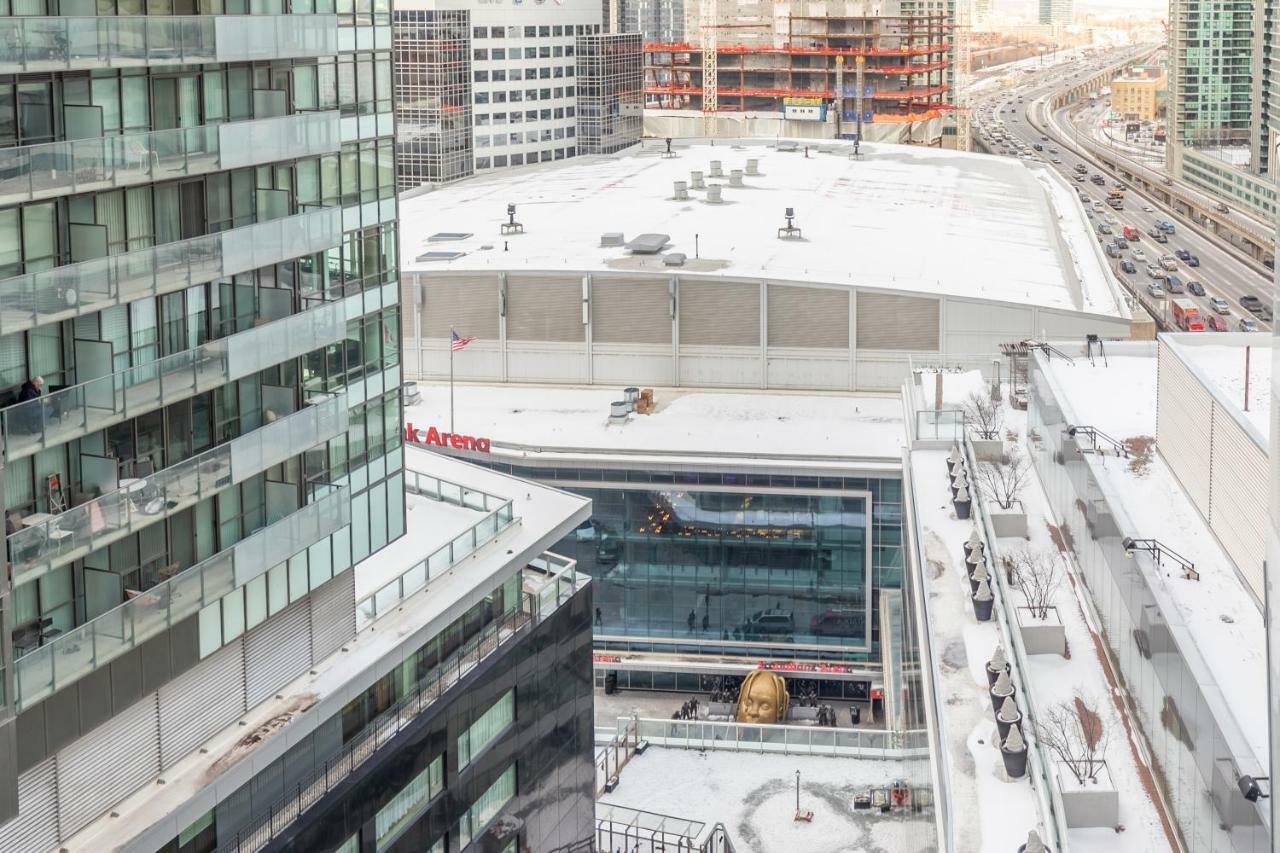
[1017,113]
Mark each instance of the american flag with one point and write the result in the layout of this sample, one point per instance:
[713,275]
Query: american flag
[460,342]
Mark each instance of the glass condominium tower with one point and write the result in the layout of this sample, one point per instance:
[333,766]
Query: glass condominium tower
[199,351]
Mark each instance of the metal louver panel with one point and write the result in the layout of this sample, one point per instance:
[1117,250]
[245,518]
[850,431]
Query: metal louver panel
[202,700]
[630,311]
[277,651]
[721,313]
[35,829]
[108,764]
[544,309]
[889,321]
[1184,426]
[333,615]
[467,302]
[808,317]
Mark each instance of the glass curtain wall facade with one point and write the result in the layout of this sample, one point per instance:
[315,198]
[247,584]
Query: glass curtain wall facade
[1191,756]
[718,563]
[156,190]
[610,92]
[433,96]
[1211,87]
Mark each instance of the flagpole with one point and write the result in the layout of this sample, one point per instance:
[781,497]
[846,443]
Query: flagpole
[451,334]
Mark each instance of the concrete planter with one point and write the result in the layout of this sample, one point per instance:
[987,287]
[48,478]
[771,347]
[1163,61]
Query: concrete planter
[1091,804]
[963,508]
[987,449]
[1008,523]
[1042,636]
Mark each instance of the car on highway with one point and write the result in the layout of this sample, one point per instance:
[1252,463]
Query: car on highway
[1138,254]
[1155,290]
[1217,303]
[1195,288]
[1166,226]
[1121,243]
[1158,235]
[1154,271]
[1088,212]
[1221,208]
[1080,178]
[1129,267]
[1044,139]
[1168,262]
[1216,323]
[1038,147]
[1248,324]
[1104,228]
[1173,284]
[1148,208]
[1113,251]
[1055,160]
[1251,303]
[1182,254]
[1193,261]
[1053,150]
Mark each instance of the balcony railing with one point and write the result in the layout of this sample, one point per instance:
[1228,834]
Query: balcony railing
[72,412]
[130,41]
[73,534]
[419,698]
[92,645]
[68,291]
[33,172]
[498,518]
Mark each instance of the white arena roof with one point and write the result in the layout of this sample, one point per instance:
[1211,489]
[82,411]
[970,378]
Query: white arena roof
[900,217]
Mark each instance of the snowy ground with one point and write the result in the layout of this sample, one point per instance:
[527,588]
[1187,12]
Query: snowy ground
[992,812]
[754,796]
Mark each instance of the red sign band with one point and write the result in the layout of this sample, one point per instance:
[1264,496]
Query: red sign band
[431,435]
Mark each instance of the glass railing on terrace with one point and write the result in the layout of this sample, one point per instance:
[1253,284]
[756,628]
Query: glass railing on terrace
[87,647]
[129,41]
[72,412]
[33,172]
[137,503]
[499,517]
[68,291]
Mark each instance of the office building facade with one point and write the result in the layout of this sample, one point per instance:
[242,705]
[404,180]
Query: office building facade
[522,83]
[610,92]
[1055,13]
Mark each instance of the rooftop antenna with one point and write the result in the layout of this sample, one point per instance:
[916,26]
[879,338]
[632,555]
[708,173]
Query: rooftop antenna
[511,226]
[789,231]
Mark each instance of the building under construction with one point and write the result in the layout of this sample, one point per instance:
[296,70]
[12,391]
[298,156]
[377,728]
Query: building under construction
[892,71]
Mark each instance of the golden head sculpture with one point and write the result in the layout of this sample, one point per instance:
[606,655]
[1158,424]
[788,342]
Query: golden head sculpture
[763,698]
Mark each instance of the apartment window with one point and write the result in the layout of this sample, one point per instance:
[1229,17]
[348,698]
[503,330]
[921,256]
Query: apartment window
[479,32]
[482,163]
[498,53]
[499,76]
[517,159]
[481,76]
[530,32]
[514,95]
[487,806]
[544,52]
[557,31]
[544,32]
[487,728]
[516,74]
[500,161]
[407,805]
[530,53]
[480,54]
[557,51]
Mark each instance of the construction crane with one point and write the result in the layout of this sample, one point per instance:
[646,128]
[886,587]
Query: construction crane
[964,63]
[709,15]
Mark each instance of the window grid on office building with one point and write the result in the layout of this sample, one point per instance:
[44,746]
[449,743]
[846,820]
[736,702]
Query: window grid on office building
[610,92]
[433,93]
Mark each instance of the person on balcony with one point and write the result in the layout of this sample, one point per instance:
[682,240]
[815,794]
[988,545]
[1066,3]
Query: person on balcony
[32,389]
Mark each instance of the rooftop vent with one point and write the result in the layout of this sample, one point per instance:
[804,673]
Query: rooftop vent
[713,194]
[696,181]
[753,167]
[735,177]
[439,256]
[618,411]
[511,226]
[612,238]
[717,169]
[682,191]
[789,231]
[648,244]
[447,236]
[787,145]
[674,259]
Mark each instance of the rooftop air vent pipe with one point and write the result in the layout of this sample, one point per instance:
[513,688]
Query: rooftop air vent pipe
[753,167]
[713,194]
[735,177]
[696,181]
[682,191]
[717,169]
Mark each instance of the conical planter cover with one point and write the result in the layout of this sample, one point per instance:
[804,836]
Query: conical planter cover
[979,575]
[1001,690]
[1014,752]
[1034,844]
[998,664]
[1008,717]
[973,543]
[982,602]
[962,503]
[954,458]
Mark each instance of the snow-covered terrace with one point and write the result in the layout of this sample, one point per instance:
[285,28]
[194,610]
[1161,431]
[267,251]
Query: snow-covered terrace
[1208,632]
[1219,362]
[899,217]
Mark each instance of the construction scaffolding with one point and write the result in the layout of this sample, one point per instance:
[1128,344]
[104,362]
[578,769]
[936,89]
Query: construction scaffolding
[796,62]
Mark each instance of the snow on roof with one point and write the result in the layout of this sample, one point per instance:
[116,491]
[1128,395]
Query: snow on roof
[1219,360]
[757,426]
[1224,623]
[754,796]
[429,525]
[900,218]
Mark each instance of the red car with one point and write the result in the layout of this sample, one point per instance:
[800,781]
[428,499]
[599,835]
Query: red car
[1216,323]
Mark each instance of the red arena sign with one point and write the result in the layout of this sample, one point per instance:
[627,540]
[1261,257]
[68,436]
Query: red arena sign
[431,435]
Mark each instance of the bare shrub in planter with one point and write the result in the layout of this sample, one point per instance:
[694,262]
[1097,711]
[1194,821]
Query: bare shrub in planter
[1039,575]
[1002,483]
[1075,733]
[982,415]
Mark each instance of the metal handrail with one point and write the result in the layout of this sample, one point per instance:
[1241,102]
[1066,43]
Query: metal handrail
[381,730]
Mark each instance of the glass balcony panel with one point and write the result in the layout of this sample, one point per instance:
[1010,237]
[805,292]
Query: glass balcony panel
[99,522]
[34,172]
[59,294]
[99,641]
[33,43]
[99,403]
